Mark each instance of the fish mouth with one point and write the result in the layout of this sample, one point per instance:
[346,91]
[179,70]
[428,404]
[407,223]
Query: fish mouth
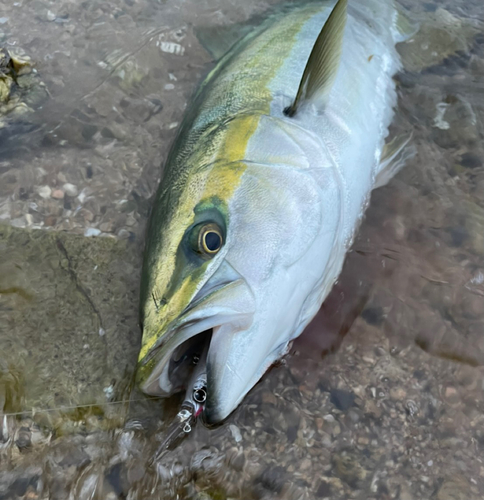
[223,301]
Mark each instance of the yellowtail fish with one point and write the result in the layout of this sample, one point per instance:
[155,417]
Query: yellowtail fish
[261,196]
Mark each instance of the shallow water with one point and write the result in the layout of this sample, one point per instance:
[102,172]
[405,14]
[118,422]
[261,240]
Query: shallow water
[383,395]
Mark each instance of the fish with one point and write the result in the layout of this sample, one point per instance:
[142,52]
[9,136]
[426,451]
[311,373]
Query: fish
[262,194]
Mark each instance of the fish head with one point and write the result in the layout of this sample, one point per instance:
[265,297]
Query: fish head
[231,267]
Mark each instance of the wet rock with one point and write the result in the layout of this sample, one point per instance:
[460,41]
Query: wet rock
[58,360]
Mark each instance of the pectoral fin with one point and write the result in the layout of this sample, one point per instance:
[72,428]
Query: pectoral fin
[323,62]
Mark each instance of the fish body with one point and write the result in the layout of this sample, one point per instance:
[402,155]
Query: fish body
[256,209]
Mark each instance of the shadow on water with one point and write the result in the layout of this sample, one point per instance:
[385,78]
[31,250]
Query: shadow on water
[382,395]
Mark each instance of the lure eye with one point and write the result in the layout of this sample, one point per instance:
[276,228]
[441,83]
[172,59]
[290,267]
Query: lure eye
[210,239]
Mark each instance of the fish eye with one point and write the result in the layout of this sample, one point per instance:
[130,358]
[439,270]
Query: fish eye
[210,239]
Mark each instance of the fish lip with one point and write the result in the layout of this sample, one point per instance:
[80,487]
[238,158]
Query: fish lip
[171,340]
[214,414]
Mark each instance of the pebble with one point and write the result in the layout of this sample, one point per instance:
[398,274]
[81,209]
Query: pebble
[305,464]
[235,433]
[58,194]
[451,395]
[44,191]
[50,16]
[70,189]
[92,231]
[123,234]
[397,393]
[107,227]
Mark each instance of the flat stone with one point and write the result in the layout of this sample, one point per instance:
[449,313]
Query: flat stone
[53,323]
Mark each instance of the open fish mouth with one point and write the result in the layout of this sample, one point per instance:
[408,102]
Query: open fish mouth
[172,362]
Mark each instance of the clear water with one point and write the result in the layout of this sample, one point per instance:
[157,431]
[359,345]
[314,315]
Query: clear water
[383,395]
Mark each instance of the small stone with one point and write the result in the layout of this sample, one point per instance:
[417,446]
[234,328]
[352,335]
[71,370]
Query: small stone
[305,464]
[319,423]
[86,214]
[397,393]
[269,398]
[106,227]
[70,189]
[50,221]
[44,191]
[326,441]
[354,416]
[50,16]
[92,231]
[123,234]
[451,395]
[235,433]
[130,220]
[58,194]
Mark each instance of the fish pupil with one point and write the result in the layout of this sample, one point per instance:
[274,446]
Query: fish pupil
[213,241]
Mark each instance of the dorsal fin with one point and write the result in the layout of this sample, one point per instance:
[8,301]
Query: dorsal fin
[323,62]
